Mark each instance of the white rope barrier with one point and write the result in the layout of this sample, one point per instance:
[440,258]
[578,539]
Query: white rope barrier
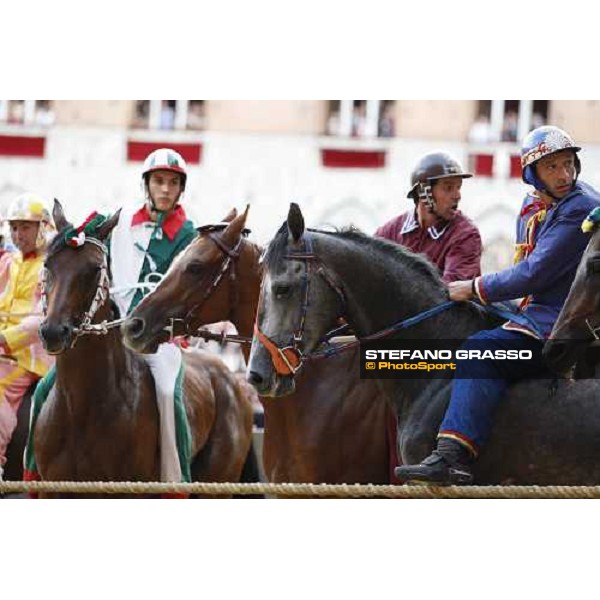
[303,490]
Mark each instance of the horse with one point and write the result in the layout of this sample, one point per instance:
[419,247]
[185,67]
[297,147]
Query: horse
[101,420]
[577,326]
[545,432]
[333,429]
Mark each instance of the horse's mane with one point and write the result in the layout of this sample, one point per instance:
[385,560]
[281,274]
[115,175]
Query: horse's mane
[220,227]
[278,248]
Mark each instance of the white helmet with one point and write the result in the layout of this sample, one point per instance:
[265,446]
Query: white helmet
[165,159]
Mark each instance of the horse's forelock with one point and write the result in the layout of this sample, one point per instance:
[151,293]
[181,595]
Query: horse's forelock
[59,241]
[277,248]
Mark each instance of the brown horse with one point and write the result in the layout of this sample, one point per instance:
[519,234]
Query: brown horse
[101,420]
[334,428]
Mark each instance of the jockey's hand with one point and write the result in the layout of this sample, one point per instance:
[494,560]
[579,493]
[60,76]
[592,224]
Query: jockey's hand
[461,291]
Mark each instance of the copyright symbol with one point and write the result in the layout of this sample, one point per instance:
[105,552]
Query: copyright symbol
[370,366]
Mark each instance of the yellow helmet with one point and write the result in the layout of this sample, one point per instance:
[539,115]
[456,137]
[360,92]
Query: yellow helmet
[28,207]
[31,207]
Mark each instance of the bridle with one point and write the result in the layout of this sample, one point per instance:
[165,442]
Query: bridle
[86,326]
[227,265]
[593,330]
[288,359]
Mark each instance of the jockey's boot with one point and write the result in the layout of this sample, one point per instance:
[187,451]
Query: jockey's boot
[449,464]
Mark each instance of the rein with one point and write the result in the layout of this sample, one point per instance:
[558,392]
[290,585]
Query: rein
[289,359]
[593,330]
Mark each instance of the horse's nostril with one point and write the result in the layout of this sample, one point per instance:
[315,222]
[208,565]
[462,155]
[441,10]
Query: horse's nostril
[55,334]
[134,327]
[554,349]
[254,378]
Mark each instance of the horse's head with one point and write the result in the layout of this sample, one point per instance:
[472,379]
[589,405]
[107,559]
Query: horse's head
[578,323]
[197,289]
[301,300]
[75,281]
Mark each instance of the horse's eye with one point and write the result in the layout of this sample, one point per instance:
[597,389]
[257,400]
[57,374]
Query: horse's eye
[594,266]
[281,291]
[195,268]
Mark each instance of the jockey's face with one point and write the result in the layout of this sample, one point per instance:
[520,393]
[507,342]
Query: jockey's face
[557,172]
[164,188]
[24,235]
[446,193]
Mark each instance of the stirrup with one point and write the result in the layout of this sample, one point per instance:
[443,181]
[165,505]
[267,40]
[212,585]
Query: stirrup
[435,470]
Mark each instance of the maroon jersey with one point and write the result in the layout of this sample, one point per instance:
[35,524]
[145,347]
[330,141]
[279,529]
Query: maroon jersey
[454,247]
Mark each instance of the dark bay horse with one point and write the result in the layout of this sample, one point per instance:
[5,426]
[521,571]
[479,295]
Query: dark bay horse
[101,420]
[578,324]
[333,428]
[545,432]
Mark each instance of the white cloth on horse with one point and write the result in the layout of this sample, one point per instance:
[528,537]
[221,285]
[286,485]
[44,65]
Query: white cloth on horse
[128,247]
[165,365]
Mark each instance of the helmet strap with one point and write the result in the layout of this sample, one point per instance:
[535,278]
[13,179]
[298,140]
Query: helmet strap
[425,195]
[153,207]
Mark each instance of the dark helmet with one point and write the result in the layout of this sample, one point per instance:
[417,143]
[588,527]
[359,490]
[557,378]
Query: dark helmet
[541,142]
[431,168]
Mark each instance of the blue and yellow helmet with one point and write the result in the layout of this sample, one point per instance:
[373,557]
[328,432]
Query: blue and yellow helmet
[542,142]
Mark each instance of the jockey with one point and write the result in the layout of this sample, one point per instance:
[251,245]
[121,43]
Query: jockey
[143,244]
[23,360]
[435,227]
[543,275]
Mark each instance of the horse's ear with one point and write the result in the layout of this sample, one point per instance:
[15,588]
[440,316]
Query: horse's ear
[295,222]
[58,214]
[102,232]
[236,227]
[232,214]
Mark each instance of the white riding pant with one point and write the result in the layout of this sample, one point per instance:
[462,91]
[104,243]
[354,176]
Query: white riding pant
[165,365]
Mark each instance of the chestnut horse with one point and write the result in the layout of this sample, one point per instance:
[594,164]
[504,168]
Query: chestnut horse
[101,422]
[333,429]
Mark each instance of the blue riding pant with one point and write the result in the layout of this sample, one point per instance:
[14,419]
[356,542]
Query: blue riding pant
[479,385]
